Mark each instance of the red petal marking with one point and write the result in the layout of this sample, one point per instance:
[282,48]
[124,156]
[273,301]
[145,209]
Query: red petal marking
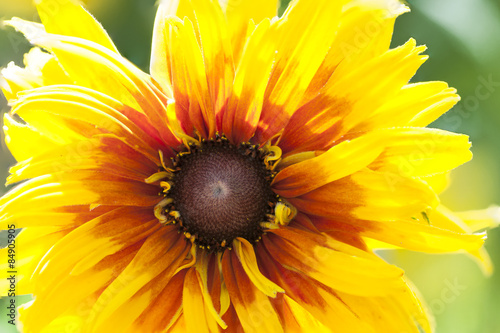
[314,125]
[163,310]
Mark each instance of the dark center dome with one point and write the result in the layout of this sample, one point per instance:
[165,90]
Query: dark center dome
[222,192]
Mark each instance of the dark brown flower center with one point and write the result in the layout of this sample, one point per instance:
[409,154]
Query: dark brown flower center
[222,192]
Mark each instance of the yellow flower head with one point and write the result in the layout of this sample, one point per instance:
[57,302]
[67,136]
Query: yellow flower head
[241,186]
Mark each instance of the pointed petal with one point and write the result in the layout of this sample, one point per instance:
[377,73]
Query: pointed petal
[343,102]
[215,42]
[166,309]
[469,222]
[253,308]
[110,73]
[77,188]
[246,255]
[71,19]
[365,32]
[311,296]
[41,69]
[358,85]
[302,46]
[422,152]
[347,157]
[195,312]
[202,55]
[138,285]
[244,107]
[410,234]
[369,195]
[86,261]
[21,138]
[36,242]
[194,107]
[160,64]
[108,154]
[418,237]
[92,108]
[90,243]
[333,263]
[84,289]
[417,104]
[394,314]
[239,13]
[62,217]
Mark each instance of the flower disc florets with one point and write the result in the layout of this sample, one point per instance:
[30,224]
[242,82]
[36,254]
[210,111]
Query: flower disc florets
[220,192]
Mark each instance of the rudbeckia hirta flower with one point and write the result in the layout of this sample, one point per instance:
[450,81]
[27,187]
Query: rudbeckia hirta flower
[242,185]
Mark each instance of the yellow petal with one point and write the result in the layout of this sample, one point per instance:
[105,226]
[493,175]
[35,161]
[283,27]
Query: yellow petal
[438,182]
[347,157]
[342,103]
[422,152]
[63,217]
[244,109]
[482,219]
[366,29]
[168,15]
[31,30]
[373,83]
[41,68]
[215,43]
[314,125]
[197,316]
[301,47]
[139,284]
[239,13]
[245,253]
[87,107]
[369,195]
[253,308]
[399,313]
[179,325]
[71,19]
[409,234]
[203,266]
[417,104]
[160,64]
[304,320]
[105,153]
[166,310]
[36,242]
[469,222]
[33,107]
[365,32]
[78,251]
[110,73]
[335,264]
[77,188]
[25,141]
[62,130]
[101,249]
[15,79]
[193,102]
[320,301]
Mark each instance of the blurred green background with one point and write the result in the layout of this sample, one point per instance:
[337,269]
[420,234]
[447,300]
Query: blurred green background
[463,38]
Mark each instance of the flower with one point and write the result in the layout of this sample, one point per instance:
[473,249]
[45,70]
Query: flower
[243,185]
